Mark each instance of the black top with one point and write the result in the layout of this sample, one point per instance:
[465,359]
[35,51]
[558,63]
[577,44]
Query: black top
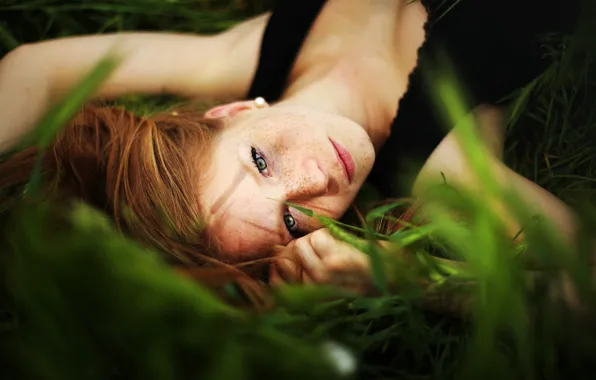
[493,44]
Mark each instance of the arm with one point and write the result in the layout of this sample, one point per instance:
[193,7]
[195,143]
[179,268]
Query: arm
[449,159]
[33,76]
[319,258]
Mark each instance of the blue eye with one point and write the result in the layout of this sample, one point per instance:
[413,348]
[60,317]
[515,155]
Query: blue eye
[292,226]
[289,221]
[259,161]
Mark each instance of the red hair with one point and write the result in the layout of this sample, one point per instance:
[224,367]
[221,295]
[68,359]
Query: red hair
[143,172]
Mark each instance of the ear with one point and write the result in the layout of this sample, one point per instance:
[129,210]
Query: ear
[231,109]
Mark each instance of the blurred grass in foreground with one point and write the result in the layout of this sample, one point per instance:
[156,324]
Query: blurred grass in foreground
[80,301]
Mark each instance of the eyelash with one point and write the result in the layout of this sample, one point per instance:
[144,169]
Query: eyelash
[256,155]
[294,231]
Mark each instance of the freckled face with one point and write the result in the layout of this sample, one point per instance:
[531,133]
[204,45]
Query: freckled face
[282,153]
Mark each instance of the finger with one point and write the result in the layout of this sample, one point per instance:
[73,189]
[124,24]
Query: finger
[350,271]
[312,263]
[288,267]
[307,279]
[275,278]
[323,243]
[290,272]
[348,260]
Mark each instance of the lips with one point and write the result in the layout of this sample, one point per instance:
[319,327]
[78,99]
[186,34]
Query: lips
[345,158]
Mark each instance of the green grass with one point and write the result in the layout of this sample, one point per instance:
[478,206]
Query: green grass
[551,137]
[80,301]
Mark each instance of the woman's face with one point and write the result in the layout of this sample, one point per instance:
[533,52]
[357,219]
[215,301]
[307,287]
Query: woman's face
[268,156]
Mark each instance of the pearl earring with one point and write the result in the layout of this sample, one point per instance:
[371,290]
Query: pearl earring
[260,102]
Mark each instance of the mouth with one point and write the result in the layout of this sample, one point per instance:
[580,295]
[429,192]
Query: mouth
[345,158]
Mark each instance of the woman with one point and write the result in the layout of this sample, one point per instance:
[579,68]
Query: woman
[332,108]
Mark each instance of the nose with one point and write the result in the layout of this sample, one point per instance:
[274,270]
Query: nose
[308,181]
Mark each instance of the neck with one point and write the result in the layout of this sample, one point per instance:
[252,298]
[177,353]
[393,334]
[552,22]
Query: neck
[350,100]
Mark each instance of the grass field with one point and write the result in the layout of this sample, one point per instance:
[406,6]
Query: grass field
[81,302]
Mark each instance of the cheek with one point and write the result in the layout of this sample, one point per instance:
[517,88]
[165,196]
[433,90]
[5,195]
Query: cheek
[333,207]
[291,140]
[238,242]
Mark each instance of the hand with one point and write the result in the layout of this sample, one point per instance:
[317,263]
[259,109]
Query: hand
[319,258]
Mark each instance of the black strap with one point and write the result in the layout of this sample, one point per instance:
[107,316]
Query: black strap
[286,30]
[494,49]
